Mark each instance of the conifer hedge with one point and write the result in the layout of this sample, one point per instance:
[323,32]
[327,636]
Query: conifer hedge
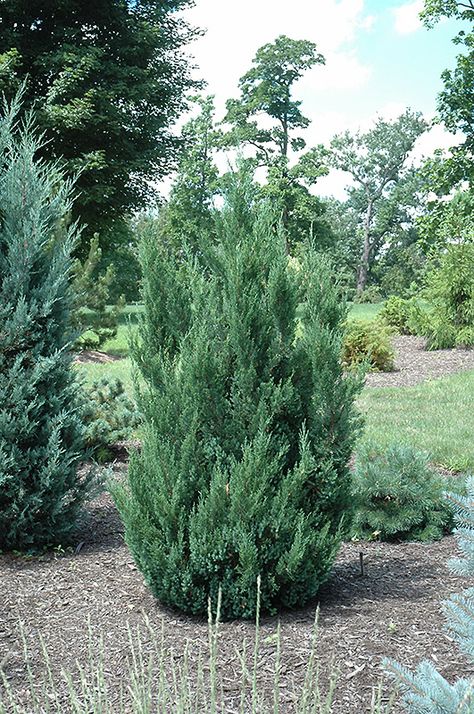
[40,427]
[249,420]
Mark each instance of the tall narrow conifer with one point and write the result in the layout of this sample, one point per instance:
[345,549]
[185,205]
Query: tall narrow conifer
[249,421]
[40,427]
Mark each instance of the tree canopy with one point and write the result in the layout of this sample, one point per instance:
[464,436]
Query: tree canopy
[108,79]
[377,161]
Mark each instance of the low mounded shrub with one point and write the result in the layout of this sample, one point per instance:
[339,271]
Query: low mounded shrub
[403,314]
[397,496]
[110,416]
[369,342]
[370,295]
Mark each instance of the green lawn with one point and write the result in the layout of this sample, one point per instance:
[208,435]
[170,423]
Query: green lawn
[127,322]
[129,318]
[364,311]
[121,369]
[436,416]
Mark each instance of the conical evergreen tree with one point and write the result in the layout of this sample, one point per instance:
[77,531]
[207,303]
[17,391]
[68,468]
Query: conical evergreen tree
[40,427]
[249,422]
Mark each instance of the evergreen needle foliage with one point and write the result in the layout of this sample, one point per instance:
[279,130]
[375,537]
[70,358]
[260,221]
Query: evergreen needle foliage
[109,415]
[40,427]
[249,421]
[397,496]
[426,691]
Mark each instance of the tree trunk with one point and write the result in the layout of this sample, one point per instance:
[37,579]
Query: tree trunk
[362,272]
[363,269]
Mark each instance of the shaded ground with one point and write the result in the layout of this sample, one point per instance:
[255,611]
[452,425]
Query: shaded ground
[394,610]
[414,364]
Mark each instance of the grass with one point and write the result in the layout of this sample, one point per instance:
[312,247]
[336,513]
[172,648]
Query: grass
[435,416]
[129,319]
[121,369]
[364,311]
[157,680]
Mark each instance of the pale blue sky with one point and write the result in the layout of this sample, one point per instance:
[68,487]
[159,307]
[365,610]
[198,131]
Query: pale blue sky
[380,59]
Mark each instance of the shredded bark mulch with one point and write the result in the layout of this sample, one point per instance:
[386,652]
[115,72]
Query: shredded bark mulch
[392,610]
[414,364]
[95,357]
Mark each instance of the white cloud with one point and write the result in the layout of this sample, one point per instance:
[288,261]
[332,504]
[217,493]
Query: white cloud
[407,18]
[236,30]
[437,137]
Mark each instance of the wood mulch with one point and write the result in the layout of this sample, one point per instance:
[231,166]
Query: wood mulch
[414,364]
[95,357]
[393,610]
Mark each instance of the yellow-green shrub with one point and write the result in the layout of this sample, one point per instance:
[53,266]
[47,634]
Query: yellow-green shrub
[369,342]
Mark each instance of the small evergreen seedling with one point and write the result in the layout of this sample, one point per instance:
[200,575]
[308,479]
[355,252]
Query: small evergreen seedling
[109,415]
[41,435]
[398,496]
[249,422]
[426,691]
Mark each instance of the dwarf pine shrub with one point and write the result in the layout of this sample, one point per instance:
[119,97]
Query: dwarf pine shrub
[249,422]
[109,415]
[398,496]
[41,435]
[426,691]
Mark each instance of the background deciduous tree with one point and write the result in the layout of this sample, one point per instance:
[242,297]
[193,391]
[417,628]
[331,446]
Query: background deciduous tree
[267,117]
[377,161]
[108,79]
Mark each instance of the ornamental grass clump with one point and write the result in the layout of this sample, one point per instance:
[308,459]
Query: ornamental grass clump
[41,434]
[249,420]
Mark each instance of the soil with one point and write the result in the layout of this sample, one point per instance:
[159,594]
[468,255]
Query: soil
[392,610]
[414,364]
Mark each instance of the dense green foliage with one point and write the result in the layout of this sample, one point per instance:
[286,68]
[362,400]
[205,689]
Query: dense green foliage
[384,182]
[249,422]
[397,496]
[404,314]
[456,100]
[41,435]
[450,290]
[109,415]
[427,690]
[266,89]
[108,79]
[368,342]
[91,318]
[266,118]
[188,213]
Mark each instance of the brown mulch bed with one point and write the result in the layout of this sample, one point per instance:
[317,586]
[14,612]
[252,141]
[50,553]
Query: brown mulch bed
[414,364]
[88,356]
[394,610]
